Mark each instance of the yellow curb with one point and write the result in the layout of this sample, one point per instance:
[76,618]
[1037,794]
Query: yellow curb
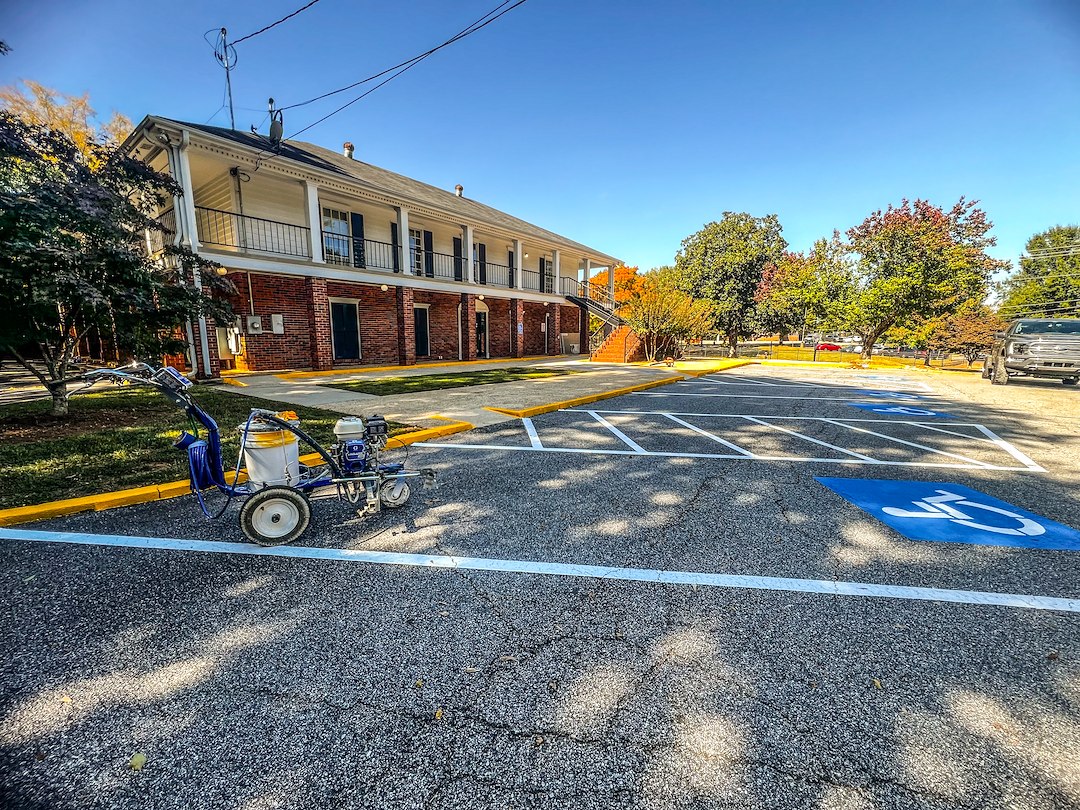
[174,489]
[231,381]
[338,372]
[569,403]
[723,366]
[806,363]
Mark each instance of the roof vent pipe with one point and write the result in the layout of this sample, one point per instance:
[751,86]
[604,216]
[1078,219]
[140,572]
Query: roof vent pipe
[459,189]
[347,149]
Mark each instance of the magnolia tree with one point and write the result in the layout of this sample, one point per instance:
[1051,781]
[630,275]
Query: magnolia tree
[73,255]
[915,261]
[724,263]
[662,315]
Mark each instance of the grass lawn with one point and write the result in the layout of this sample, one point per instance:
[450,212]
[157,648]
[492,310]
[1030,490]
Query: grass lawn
[118,439]
[431,382]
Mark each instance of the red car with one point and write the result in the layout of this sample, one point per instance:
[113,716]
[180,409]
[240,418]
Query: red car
[828,347]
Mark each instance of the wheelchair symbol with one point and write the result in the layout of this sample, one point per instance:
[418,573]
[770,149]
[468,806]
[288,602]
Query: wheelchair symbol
[905,410]
[943,506]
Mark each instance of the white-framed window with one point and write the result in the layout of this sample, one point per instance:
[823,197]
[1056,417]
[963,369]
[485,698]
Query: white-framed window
[336,244]
[416,251]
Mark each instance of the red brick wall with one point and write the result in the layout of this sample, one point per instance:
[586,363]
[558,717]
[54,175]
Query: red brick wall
[443,323]
[499,327]
[570,318]
[534,338]
[468,326]
[517,316]
[378,319]
[288,296]
[322,347]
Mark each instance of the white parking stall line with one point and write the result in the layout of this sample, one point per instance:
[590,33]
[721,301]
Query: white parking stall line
[542,568]
[867,459]
[910,444]
[937,429]
[732,379]
[530,429]
[864,399]
[887,385]
[708,435]
[637,448]
[1012,451]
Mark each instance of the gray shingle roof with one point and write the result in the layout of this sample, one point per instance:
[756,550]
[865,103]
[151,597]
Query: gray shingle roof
[398,185]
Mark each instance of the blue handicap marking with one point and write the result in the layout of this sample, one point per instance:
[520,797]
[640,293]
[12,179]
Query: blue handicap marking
[900,410]
[952,513]
[871,392]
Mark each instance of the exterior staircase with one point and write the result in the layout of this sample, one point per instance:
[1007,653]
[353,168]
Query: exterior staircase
[621,346]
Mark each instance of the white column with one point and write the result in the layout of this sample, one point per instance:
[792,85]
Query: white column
[588,276]
[468,236]
[611,283]
[404,254]
[191,238]
[558,281]
[314,220]
[519,265]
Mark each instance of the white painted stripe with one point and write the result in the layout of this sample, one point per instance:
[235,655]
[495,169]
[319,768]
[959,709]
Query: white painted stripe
[812,439]
[909,444]
[863,400]
[708,435]
[737,581]
[808,418]
[637,448]
[1011,450]
[530,428]
[837,385]
[656,454]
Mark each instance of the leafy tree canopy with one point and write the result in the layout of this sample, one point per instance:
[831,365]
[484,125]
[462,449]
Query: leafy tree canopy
[724,264]
[73,254]
[662,315]
[915,261]
[42,106]
[1047,284]
[626,282]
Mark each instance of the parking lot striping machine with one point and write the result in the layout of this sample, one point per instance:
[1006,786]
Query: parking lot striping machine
[276,509]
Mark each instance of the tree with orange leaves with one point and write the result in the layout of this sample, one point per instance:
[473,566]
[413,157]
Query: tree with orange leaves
[42,106]
[627,282]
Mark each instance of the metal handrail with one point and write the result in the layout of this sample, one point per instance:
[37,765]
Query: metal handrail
[229,229]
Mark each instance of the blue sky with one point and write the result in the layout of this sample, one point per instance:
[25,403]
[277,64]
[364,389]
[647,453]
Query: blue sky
[628,125]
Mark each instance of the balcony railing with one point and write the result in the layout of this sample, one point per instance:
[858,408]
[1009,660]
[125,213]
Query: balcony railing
[530,280]
[342,249]
[158,239]
[226,229]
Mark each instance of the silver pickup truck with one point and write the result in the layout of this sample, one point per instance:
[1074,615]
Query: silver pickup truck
[1043,347]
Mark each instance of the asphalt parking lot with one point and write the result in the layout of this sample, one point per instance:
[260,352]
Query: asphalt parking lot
[668,599]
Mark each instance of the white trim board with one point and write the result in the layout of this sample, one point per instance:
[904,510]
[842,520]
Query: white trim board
[536,567]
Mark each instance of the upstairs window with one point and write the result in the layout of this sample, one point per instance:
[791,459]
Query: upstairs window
[335,226]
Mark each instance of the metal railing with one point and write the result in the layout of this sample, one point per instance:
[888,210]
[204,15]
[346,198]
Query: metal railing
[241,232]
[497,275]
[341,249]
[594,292]
[568,286]
[158,239]
[530,280]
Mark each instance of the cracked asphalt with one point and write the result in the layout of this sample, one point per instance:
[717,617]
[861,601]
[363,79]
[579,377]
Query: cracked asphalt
[256,683]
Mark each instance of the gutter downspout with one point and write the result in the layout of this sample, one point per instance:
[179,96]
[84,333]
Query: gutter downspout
[192,239]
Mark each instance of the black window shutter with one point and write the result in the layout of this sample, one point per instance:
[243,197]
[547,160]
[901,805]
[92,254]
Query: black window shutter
[482,256]
[396,243]
[510,264]
[359,259]
[457,259]
[429,256]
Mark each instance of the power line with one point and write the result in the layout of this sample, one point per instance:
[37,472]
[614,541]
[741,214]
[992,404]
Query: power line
[472,29]
[273,24]
[459,35]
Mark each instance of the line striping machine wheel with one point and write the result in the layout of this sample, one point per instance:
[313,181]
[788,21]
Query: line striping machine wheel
[394,494]
[275,516]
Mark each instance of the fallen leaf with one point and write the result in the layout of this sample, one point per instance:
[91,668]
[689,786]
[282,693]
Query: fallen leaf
[1053,656]
[444,612]
[471,669]
[877,683]
[66,699]
[438,713]
[419,683]
[539,740]
[137,761]
[30,578]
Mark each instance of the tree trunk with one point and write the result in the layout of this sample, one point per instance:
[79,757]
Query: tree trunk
[59,395]
[733,344]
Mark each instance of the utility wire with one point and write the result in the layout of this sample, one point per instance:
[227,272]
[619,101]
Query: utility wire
[273,24]
[472,29]
[459,35]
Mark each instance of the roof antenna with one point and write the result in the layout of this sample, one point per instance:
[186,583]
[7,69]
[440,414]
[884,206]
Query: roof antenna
[227,58]
[277,125]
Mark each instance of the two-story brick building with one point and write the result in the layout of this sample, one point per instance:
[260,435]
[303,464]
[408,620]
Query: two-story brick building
[340,263]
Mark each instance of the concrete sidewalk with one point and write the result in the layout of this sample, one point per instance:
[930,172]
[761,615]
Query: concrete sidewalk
[467,404]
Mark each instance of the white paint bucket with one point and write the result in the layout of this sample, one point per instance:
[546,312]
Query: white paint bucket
[271,455]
